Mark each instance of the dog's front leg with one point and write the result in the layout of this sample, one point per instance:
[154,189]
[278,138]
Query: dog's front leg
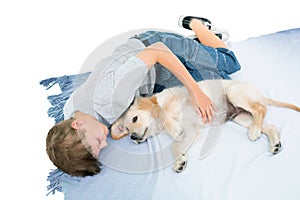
[174,129]
[180,158]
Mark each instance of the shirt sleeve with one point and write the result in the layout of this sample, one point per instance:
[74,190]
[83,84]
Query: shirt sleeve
[127,81]
[117,89]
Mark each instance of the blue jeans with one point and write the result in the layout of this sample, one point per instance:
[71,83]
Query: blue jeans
[201,61]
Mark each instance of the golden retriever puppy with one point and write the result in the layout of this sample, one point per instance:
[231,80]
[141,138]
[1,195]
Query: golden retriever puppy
[171,112]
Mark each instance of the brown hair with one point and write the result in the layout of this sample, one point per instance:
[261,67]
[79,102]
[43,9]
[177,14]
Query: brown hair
[67,152]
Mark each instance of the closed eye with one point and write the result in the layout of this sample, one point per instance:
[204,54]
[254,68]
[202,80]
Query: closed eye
[134,119]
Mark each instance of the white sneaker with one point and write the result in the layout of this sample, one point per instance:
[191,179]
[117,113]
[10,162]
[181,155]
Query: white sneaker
[184,22]
[222,34]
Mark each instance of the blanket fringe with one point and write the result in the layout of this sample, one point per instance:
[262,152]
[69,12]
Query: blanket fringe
[55,183]
[67,84]
[56,177]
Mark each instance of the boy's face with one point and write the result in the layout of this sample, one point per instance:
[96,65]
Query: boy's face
[95,134]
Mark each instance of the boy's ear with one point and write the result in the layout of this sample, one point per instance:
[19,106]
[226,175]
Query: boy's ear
[77,124]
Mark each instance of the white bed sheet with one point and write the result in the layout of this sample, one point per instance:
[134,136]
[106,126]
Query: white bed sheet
[238,168]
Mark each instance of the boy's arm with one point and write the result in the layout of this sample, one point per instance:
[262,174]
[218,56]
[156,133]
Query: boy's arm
[158,52]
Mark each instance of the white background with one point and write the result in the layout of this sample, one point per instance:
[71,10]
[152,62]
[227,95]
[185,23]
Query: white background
[41,39]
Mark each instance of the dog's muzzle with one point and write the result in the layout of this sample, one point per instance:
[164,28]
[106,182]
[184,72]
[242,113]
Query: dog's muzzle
[136,138]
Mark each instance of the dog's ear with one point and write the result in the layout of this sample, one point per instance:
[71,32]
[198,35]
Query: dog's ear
[118,131]
[155,109]
[153,99]
[145,103]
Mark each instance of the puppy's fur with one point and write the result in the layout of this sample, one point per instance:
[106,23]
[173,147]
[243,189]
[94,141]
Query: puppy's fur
[171,112]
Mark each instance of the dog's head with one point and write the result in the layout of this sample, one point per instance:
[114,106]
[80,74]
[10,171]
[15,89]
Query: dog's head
[139,121]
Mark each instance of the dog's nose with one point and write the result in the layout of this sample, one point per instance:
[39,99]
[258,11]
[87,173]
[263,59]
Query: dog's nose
[134,136]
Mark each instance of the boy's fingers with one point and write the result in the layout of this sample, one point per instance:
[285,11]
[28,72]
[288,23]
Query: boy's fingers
[204,116]
[209,115]
[198,111]
[214,107]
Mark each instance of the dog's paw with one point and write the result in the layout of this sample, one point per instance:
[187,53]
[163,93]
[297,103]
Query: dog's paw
[254,133]
[180,164]
[275,148]
[179,136]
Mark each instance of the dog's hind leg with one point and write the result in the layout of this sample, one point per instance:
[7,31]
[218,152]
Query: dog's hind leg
[258,112]
[245,119]
[249,98]
[273,135]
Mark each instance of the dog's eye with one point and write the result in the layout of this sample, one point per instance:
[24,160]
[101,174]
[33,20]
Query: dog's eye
[134,119]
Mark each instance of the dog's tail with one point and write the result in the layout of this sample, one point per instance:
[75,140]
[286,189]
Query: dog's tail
[272,102]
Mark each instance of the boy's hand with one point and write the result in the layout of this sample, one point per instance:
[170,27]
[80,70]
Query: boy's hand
[203,106]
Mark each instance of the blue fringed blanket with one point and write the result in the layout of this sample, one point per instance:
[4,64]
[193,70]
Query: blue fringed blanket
[67,85]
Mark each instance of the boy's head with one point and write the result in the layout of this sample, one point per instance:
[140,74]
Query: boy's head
[67,152]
